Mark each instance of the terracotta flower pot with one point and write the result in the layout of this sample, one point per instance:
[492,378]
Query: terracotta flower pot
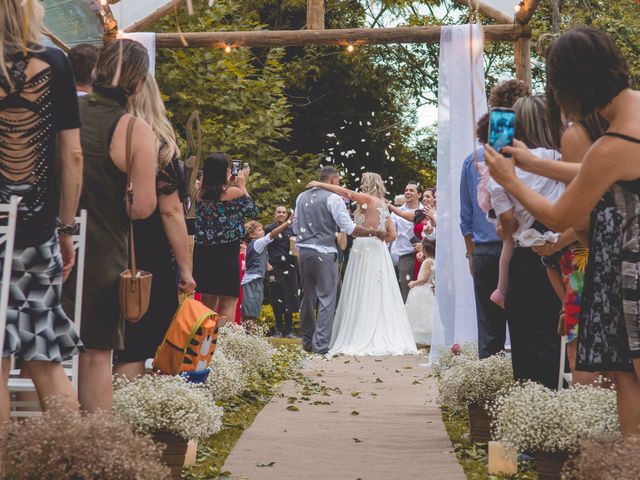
[175,453]
[480,421]
[549,465]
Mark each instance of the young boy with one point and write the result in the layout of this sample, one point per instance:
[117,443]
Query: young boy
[256,263]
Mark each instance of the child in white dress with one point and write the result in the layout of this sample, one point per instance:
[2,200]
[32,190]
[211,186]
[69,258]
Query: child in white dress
[421,300]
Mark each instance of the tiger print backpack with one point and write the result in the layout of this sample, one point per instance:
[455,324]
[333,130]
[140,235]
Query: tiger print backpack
[190,340]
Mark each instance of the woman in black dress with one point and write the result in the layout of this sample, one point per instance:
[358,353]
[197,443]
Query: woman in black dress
[161,241]
[587,73]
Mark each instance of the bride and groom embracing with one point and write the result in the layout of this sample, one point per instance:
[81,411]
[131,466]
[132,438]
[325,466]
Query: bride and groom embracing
[370,318]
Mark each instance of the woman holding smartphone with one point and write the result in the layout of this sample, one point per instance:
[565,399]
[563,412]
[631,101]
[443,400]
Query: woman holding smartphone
[221,211]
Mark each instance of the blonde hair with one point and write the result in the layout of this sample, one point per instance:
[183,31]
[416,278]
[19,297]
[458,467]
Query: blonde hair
[373,185]
[250,226]
[148,105]
[20,30]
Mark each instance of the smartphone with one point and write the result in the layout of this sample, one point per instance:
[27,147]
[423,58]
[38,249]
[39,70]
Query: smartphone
[502,127]
[235,167]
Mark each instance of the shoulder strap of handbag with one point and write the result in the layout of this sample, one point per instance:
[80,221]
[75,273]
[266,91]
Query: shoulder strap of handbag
[129,163]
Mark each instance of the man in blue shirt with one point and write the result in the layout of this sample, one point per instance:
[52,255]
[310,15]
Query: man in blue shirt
[483,251]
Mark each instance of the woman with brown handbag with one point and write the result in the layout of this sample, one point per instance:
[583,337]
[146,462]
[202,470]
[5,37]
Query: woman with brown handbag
[119,75]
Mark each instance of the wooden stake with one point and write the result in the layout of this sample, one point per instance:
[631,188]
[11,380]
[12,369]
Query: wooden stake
[527,9]
[487,11]
[315,14]
[357,36]
[522,53]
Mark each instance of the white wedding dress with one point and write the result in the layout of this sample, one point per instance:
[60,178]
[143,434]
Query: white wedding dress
[371,318]
[420,306]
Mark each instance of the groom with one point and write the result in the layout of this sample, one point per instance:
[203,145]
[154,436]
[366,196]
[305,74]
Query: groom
[319,215]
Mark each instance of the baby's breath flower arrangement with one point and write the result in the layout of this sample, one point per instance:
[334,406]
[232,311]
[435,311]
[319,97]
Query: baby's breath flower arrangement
[167,404]
[447,357]
[226,377]
[532,418]
[608,456]
[476,382]
[66,445]
[251,350]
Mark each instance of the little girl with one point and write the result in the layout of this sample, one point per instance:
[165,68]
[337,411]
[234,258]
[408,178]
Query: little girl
[421,300]
[256,263]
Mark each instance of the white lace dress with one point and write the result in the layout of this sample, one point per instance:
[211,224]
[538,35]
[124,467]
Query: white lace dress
[371,318]
[420,306]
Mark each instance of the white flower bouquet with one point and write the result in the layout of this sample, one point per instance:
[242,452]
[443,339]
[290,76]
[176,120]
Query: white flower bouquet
[167,404]
[226,377]
[251,350]
[532,418]
[476,382]
[447,357]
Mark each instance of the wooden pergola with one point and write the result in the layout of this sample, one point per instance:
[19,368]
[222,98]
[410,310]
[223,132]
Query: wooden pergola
[507,29]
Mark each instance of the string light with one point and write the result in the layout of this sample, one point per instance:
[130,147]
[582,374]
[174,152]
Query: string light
[227,48]
[350,47]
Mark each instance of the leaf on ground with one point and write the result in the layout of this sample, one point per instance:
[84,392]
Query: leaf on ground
[270,464]
[377,360]
[378,380]
[397,371]
[355,394]
[355,412]
[318,402]
[407,368]
[417,382]
[293,408]
[357,440]
[347,361]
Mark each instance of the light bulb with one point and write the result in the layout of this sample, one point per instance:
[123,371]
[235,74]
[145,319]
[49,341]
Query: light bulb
[227,48]
[350,48]
[517,8]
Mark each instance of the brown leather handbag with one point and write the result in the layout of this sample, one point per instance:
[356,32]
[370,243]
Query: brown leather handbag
[135,285]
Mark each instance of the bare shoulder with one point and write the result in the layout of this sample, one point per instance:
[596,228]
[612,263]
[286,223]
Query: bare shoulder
[232,193]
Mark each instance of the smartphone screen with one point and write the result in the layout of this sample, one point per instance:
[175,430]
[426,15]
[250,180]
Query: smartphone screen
[235,167]
[502,127]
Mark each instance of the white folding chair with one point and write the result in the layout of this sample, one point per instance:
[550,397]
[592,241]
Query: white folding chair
[562,376]
[7,236]
[18,385]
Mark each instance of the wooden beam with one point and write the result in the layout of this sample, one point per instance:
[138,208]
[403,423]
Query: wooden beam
[522,53]
[527,9]
[315,14]
[56,41]
[357,36]
[142,25]
[486,10]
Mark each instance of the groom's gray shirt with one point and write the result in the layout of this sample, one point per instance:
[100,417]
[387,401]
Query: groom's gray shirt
[319,215]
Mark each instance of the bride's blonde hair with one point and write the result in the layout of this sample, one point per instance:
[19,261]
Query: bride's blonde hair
[373,185]
[148,105]
[20,30]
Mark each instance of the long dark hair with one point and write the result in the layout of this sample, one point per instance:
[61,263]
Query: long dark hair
[214,176]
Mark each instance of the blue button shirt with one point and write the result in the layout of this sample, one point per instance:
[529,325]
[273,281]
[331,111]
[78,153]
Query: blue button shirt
[472,219]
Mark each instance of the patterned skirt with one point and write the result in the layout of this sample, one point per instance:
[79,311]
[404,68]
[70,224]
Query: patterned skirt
[37,327]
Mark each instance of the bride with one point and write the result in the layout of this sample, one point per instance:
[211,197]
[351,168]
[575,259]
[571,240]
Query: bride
[371,318]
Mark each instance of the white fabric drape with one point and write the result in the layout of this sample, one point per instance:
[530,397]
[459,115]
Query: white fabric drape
[148,40]
[455,320]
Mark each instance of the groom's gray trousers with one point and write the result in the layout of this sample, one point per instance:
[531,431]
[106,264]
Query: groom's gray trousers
[319,276]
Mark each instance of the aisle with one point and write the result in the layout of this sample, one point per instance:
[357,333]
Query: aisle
[365,418]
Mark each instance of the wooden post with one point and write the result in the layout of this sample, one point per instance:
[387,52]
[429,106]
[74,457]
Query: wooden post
[522,53]
[527,9]
[315,14]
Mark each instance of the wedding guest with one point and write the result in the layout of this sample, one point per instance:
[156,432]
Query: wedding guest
[257,262]
[483,245]
[83,60]
[221,210]
[399,200]
[284,287]
[38,99]
[126,63]
[587,73]
[402,250]
[532,305]
[159,240]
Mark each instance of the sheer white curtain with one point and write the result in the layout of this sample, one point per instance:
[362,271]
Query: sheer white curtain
[455,319]
[148,40]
